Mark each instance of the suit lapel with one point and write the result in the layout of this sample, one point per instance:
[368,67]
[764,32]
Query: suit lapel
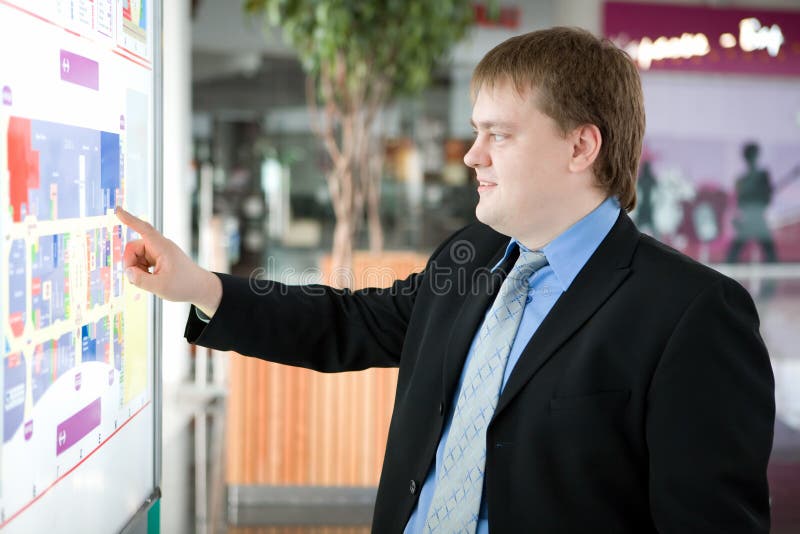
[606,269]
[468,320]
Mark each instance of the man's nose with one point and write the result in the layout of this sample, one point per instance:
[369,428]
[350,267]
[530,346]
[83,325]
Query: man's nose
[477,156]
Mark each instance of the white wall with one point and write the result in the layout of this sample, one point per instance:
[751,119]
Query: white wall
[222,26]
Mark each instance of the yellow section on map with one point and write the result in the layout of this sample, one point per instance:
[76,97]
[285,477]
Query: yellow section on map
[135,350]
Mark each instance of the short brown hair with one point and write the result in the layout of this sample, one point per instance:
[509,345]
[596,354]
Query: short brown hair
[580,79]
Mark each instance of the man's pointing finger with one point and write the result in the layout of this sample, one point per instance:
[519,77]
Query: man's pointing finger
[130,220]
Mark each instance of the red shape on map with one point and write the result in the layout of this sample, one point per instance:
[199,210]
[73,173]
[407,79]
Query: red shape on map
[36,286]
[38,355]
[23,165]
[16,323]
[14,359]
[116,247]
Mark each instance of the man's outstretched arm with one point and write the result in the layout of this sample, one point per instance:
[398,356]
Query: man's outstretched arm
[311,326]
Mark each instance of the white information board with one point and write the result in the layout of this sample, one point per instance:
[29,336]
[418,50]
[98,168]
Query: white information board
[79,375]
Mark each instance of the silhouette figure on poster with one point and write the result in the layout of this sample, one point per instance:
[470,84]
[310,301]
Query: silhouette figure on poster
[753,195]
[646,183]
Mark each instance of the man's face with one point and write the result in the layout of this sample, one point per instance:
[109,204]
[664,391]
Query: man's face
[521,162]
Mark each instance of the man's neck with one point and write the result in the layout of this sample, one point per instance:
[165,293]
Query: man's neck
[538,240]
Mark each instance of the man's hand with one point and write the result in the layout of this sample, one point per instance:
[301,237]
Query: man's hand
[174,276]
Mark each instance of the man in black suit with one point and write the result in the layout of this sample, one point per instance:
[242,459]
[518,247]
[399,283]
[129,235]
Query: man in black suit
[625,387]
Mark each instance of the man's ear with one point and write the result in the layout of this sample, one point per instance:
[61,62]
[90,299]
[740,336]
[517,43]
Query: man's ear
[586,143]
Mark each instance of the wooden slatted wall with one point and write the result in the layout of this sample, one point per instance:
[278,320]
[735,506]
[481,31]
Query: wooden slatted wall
[291,426]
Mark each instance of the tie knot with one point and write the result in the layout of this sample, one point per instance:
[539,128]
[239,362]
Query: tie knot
[529,261]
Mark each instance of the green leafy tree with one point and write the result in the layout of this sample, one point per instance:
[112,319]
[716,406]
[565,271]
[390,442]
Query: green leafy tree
[360,54]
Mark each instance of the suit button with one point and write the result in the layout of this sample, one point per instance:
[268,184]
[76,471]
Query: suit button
[412,487]
[441,408]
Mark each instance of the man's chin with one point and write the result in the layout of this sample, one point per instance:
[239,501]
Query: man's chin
[481,215]
[490,220]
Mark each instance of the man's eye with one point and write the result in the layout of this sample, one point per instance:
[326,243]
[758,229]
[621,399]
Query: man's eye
[498,137]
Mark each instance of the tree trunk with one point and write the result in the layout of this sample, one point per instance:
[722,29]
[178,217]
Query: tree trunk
[341,183]
[354,182]
[374,166]
[341,275]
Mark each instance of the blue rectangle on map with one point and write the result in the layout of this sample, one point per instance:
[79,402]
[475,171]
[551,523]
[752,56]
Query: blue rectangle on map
[109,167]
[89,345]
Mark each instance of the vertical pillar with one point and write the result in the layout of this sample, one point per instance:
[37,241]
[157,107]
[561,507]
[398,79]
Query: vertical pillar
[178,175]
[176,191]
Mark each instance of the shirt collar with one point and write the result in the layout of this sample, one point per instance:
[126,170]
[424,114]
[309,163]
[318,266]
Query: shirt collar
[569,252]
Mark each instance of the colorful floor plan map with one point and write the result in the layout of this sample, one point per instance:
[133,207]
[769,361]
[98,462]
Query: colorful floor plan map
[65,289]
[77,137]
[71,322]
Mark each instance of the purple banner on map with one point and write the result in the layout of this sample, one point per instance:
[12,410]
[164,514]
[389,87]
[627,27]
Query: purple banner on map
[76,427]
[80,70]
[7,96]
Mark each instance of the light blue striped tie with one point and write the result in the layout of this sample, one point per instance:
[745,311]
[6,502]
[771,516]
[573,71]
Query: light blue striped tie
[459,486]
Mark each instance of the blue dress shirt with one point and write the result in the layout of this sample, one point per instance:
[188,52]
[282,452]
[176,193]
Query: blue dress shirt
[566,255]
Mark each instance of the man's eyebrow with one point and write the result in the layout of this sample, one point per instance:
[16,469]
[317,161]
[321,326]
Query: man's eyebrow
[488,125]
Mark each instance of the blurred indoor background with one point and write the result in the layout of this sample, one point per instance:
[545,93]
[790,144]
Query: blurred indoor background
[245,191]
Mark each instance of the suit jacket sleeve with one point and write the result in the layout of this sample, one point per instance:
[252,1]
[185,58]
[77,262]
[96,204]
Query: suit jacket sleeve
[312,326]
[710,419]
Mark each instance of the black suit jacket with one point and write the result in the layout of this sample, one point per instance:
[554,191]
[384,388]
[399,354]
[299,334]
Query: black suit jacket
[643,403]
